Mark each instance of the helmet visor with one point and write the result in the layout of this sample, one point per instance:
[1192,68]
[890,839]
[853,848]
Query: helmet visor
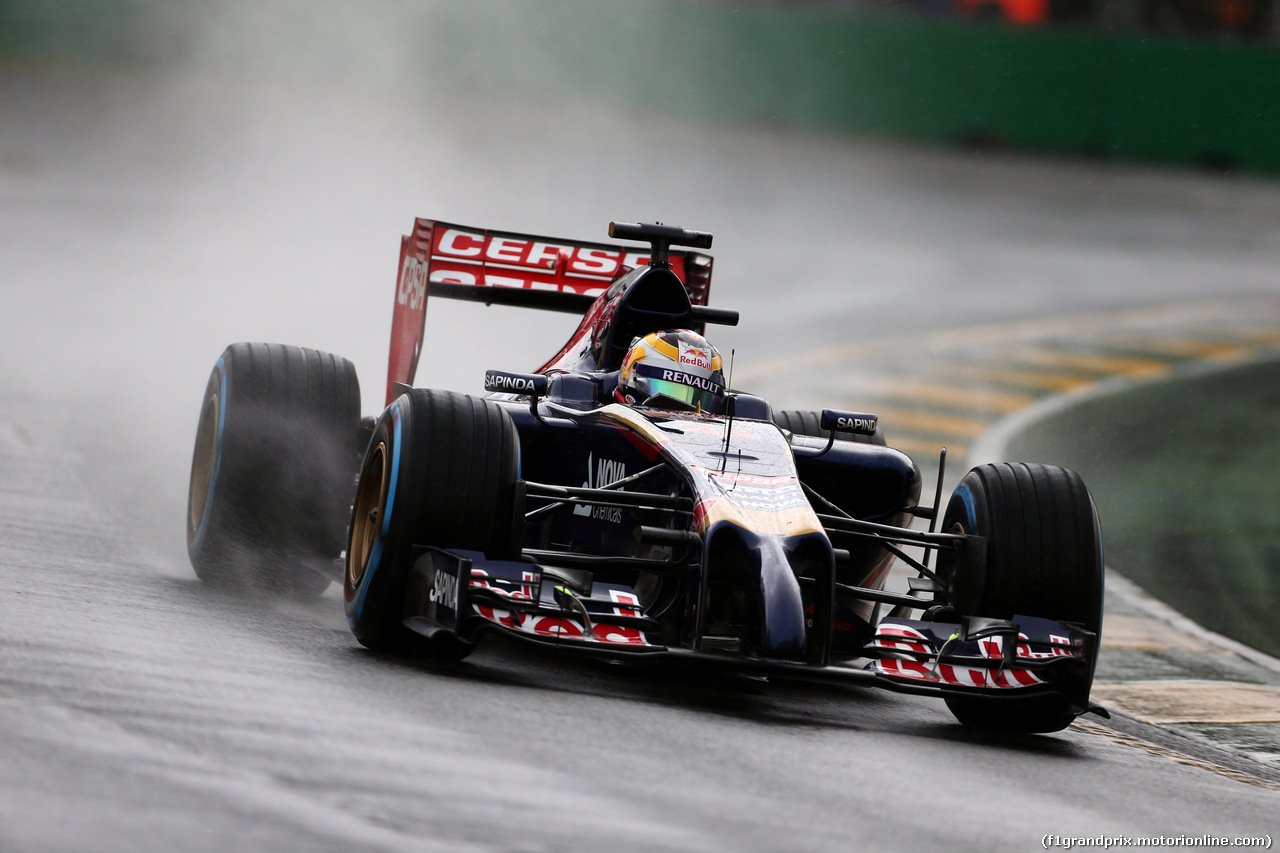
[693,398]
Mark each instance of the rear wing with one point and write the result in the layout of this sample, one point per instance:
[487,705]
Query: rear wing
[506,268]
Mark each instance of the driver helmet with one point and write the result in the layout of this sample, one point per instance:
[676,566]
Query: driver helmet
[675,369]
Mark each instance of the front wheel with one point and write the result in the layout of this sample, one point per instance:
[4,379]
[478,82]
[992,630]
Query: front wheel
[1044,558]
[271,475]
[440,470]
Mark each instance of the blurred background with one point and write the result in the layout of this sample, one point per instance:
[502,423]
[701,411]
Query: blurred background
[1178,81]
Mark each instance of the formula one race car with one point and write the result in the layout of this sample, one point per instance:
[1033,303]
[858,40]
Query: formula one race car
[623,500]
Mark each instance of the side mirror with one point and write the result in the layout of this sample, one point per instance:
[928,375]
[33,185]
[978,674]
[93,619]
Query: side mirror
[859,423]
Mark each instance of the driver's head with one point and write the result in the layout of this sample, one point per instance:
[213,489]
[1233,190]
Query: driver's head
[675,369]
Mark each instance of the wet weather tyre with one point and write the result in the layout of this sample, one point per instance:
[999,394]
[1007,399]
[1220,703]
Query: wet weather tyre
[440,470]
[807,423]
[1044,558]
[273,469]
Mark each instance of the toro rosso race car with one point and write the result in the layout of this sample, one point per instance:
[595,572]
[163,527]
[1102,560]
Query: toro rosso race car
[623,500]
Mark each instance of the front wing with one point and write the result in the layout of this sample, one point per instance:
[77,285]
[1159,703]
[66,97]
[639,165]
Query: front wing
[465,594]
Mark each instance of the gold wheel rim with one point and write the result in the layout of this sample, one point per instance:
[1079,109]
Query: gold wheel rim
[367,512]
[202,464]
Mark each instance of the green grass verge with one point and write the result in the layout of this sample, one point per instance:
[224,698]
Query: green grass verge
[1186,475]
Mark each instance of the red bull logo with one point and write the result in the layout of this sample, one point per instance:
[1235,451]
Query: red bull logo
[695,356]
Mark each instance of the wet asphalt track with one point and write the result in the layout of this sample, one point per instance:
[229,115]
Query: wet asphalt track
[145,224]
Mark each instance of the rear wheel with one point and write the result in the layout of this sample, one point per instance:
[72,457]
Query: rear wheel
[272,471]
[440,470]
[1044,558]
[807,423]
